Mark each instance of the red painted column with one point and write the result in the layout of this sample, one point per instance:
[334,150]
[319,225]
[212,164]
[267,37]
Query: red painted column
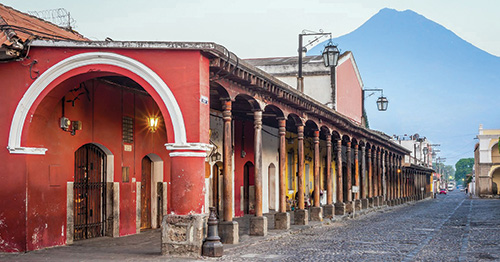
[316,167]
[188,182]
[227,162]
[300,140]
[282,170]
[329,180]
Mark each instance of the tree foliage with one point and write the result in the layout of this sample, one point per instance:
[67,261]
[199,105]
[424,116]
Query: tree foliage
[445,170]
[463,167]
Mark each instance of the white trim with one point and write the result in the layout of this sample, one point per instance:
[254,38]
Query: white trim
[190,146]
[84,59]
[188,154]
[27,150]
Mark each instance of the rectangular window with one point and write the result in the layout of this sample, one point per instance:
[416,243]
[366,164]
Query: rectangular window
[128,130]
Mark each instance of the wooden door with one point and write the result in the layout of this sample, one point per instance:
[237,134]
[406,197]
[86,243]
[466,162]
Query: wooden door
[146,193]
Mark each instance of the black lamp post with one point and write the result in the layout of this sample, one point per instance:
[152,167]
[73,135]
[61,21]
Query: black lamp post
[330,54]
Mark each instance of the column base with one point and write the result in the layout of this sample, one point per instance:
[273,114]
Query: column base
[301,217]
[339,209]
[316,214]
[182,235]
[357,205]
[349,207]
[364,203]
[229,232]
[375,202]
[282,221]
[328,211]
[258,226]
[370,202]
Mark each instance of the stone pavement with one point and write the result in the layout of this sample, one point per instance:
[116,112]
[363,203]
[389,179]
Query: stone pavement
[449,228]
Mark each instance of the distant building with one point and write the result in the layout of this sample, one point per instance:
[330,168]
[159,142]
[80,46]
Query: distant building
[341,91]
[487,162]
[420,148]
[421,156]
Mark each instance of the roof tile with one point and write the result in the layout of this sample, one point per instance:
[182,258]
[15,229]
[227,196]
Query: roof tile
[27,27]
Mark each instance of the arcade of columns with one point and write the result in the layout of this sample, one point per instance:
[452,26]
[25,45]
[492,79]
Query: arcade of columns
[377,172]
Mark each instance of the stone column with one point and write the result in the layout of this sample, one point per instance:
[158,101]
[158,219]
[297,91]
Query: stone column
[258,223]
[364,179]
[339,205]
[380,175]
[316,211]
[282,218]
[301,215]
[349,204]
[329,210]
[228,229]
[357,201]
[182,229]
[400,181]
[370,178]
[390,178]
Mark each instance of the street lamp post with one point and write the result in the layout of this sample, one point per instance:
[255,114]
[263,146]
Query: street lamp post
[330,54]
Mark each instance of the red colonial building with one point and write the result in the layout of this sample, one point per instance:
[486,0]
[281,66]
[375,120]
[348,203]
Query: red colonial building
[108,138]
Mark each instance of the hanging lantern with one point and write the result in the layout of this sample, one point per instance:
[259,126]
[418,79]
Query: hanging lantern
[382,103]
[331,55]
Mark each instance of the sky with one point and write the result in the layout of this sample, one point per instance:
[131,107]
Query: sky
[262,28]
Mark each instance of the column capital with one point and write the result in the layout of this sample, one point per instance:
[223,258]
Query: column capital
[189,149]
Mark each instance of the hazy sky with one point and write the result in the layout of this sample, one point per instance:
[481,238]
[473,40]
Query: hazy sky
[261,28]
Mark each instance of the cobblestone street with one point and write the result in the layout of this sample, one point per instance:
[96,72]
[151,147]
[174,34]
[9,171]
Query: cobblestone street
[449,228]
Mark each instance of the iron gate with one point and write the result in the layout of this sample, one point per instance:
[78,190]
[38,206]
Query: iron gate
[89,192]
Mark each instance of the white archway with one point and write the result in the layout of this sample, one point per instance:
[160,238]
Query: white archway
[93,58]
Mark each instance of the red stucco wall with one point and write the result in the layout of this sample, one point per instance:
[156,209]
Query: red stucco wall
[239,162]
[349,91]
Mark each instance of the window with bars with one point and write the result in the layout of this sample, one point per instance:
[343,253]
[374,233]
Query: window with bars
[128,129]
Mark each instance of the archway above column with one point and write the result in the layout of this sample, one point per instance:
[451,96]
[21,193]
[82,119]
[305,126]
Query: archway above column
[93,58]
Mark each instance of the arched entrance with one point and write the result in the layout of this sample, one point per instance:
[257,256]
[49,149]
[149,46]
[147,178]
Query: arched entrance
[495,181]
[146,169]
[217,187]
[89,192]
[248,188]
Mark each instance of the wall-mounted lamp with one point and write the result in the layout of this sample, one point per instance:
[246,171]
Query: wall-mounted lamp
[70,126]
[216,157]
[153,123]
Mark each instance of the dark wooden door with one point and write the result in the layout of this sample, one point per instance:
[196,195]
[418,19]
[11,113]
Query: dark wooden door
[89,190]
[146,193]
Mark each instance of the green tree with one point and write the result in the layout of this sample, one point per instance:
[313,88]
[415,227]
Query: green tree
[463,167]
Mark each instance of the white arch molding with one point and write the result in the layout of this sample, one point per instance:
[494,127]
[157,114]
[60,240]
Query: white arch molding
[93,58]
